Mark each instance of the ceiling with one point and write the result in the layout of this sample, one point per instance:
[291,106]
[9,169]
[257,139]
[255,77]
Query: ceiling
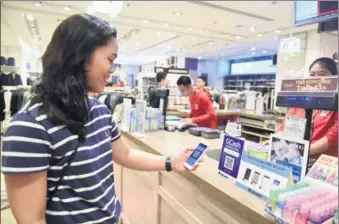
[149,29]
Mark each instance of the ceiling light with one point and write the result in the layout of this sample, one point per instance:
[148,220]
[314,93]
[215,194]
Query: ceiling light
[67,8]
[238,37]
[253,48]
[169,47]
[224,35]
[133,33]
[210,42]
[264,52]
[166,25]
[292,55]
[145,21]
[199,58]
[122,40]
[177,13]
[190,28]
[194,38]
[275,38]
[253,53]
[138,43]
[207,31]
[38,4]
[259,35]
[177,50]
[30,17]
[286,58]
[158,33]
[277,31]
[253,28]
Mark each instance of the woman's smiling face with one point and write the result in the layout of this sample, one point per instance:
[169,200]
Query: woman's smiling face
[100,66]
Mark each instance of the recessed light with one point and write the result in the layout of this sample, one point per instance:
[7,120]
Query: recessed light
[38,4]
[158,33]
[145,21]
[122,40]
[194,38]
[177,13]
[253,53]
[133,33]
[238,37]
[190,28]
[207,31]
[277,31]
[264,52]
[259,35]
[166,25]
[177,50]
[253,48]
[30,17]
[210,42]
[252,28]
[67,8]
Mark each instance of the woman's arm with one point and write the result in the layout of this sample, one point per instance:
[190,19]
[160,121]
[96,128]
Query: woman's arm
[27,197]
[139,160]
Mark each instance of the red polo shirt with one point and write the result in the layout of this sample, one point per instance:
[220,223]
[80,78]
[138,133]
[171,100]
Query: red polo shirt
[325,123]
[202,112]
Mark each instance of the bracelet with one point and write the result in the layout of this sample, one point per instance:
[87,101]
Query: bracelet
[168,164]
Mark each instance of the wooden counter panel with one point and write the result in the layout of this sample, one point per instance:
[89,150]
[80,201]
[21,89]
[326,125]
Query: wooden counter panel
[168,215]
[199,197]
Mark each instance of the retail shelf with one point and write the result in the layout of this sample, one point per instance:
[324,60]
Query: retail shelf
[256,126]
[256,134]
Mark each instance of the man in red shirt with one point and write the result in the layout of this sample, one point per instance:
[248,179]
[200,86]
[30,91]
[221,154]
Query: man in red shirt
[202,112]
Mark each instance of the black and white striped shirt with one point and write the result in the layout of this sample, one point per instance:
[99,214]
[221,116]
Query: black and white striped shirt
[87,193]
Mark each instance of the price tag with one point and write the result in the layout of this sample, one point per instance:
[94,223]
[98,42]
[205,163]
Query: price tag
[290,45]
[233,129]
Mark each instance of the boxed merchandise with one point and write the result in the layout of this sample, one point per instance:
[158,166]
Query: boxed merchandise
[312,201]
[210,133]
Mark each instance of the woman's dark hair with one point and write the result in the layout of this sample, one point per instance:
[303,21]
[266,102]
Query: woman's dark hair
[184,80]
[63,85]
[160,76]
[203,78]
[327,63]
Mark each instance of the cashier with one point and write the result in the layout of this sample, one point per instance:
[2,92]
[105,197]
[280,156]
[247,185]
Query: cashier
[154,100]
[324,133]
[202,112]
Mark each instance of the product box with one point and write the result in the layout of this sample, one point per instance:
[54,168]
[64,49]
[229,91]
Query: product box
[313,200]
[259,177]
[289,152]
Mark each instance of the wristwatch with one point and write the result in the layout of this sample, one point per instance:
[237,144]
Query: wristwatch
[168,164]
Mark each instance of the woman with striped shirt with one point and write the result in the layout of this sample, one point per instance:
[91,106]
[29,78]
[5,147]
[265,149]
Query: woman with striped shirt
[59,149]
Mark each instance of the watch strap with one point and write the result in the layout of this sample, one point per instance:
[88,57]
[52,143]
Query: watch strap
[168,164]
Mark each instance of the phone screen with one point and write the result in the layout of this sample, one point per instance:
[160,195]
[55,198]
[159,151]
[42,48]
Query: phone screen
[198,151]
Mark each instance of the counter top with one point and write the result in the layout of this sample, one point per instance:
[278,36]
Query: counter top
[169,143]
[244,113]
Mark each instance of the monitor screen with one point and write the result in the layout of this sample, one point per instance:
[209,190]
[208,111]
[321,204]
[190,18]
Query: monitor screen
[306,12]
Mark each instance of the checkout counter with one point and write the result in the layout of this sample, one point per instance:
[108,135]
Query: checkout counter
[203,196]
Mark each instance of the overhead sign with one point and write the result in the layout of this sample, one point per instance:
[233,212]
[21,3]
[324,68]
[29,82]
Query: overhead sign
[172,70]
[328,84]
[290,45]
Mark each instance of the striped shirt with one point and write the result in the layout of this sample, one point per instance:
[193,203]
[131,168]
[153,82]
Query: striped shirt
[87,193]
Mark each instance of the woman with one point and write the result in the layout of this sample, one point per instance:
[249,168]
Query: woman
[58,152]
[324,133]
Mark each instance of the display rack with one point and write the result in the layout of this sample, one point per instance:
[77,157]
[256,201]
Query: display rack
[255,82]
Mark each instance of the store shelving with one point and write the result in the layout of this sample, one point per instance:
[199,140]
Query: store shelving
[256,82]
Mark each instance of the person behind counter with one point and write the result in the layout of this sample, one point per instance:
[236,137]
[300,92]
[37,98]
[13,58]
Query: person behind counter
[201,83]
[324,133]
[154,100]
[202,112]
[61,124]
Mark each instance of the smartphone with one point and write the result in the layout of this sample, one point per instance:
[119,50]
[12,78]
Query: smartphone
[197,153]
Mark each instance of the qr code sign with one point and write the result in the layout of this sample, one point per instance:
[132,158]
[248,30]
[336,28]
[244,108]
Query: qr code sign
[229,163]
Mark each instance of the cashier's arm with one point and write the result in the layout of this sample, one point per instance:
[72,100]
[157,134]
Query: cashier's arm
[328,141]
[135,159]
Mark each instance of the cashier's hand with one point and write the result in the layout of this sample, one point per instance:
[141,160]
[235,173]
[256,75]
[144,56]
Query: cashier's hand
[186,120]
[179,160]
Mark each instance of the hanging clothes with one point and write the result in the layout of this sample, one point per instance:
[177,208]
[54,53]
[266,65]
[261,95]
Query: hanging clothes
[13,79]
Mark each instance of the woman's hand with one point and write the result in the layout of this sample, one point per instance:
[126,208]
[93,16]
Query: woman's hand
[179,160]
